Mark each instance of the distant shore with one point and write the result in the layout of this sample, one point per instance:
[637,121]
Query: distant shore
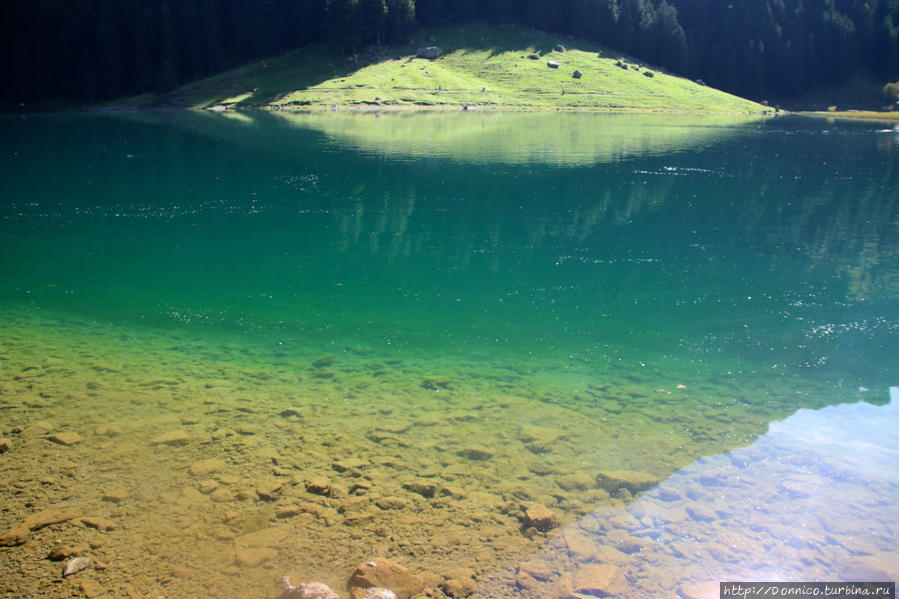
[856,115]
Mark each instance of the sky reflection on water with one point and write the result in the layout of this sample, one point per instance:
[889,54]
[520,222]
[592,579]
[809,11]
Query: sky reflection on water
[813,499]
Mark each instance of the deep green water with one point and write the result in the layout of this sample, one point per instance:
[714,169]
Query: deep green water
[705,300]
[769,249]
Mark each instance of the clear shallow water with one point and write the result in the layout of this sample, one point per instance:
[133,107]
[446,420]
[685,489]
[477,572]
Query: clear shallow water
[645,292]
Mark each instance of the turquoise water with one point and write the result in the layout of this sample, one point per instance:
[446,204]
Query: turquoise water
[658,289]
[771,251]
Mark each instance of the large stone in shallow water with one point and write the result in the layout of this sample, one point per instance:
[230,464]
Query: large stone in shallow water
[580,546]
[173,438]
[67,438]
[386,574]
[576,482]
[51,515]
[13,537]
[477,454]
[632,480]
[206,467]
[436,383]
[601,580]
[424,488]
[459,587]
[540,517]
[254,556]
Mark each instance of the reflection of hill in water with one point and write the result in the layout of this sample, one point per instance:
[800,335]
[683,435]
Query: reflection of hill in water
[835,218]
[560,138]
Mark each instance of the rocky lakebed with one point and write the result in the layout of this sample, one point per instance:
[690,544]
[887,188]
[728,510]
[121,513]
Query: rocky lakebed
[169,466]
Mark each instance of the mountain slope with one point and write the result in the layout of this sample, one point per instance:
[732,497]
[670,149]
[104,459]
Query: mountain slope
[479,65]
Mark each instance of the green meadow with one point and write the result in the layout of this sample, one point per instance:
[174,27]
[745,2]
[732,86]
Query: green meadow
[479,66]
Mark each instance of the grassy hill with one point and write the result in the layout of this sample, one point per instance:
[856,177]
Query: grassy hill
[479,65]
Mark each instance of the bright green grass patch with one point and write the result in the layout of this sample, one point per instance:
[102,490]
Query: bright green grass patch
[479,65]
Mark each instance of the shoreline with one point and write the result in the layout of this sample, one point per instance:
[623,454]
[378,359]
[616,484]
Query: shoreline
[852,115]
[410,108]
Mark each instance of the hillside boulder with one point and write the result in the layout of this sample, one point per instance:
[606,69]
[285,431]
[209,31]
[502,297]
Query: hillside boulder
[429,52]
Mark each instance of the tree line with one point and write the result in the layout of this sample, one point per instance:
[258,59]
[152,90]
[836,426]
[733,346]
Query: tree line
[89,50]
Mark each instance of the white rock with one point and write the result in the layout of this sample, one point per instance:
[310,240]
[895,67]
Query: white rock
[75,565]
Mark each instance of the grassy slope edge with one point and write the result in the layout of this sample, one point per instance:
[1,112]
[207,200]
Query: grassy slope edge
[479,65]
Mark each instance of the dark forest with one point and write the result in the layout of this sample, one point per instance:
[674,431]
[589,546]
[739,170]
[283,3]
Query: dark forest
[90,50]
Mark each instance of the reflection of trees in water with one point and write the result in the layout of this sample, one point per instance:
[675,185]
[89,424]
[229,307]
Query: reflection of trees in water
[378,222]
[842,221]
[477,221]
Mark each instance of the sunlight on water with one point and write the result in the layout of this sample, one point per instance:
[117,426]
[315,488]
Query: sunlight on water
[545,349]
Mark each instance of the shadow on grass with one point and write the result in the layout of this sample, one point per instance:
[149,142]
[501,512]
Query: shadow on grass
[265,81]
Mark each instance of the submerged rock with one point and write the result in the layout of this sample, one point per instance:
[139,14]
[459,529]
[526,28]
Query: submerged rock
[599,580]
[291,413]
[206,467]
[318,485]
[378,593]
[13,537]
[382,573]
[269,490]
[101,524]
[61,552]
[51,515]
[254,556]
[174,438]
[422,487]
[576,482]
[308,590]
[435,383]
[325,360]
[477,454]
[459,587]
[115,494]
[540,517]
[75,565]
[632,480]
[68,438]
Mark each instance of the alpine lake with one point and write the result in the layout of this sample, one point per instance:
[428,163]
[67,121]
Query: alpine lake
[536,355]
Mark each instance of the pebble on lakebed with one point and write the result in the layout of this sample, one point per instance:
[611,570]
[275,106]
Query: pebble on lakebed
[318,590]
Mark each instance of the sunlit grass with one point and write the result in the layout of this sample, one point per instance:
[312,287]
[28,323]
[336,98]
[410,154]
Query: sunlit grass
[479,66]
